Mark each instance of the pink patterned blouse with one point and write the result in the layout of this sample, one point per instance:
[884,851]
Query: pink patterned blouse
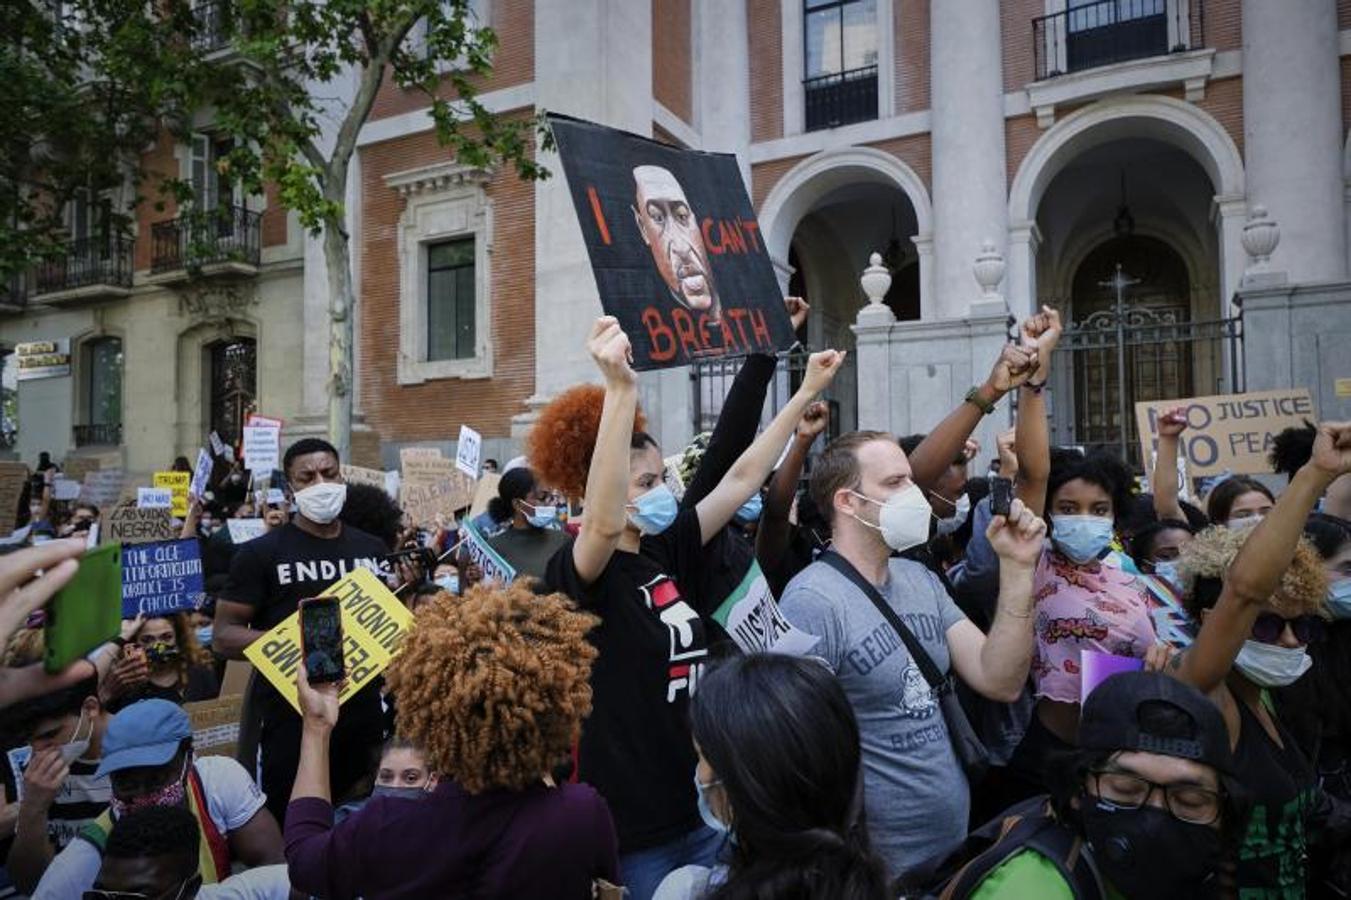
[1097,606]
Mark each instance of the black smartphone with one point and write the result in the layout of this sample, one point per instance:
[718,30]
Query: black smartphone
[412,556]
[1001,496]
[321,639]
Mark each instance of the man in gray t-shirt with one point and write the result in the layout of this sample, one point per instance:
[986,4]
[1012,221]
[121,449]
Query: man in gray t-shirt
[916,794]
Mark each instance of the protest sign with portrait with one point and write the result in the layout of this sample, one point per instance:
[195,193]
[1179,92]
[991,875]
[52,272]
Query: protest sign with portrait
[675,246]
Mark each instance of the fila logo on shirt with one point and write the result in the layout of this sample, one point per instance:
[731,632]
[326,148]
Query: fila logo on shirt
[688,643]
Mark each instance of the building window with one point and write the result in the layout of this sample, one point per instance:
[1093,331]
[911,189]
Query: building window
[234,373]
[445,246]
[102,360]
[840,62]
[450,299]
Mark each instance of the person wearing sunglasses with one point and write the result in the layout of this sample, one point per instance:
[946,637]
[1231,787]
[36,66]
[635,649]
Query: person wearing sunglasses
[152,854]
[1260,595]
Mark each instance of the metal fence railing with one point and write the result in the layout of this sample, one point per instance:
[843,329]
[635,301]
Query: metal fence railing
[1110,31]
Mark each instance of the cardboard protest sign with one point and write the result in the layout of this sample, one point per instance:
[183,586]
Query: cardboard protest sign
[103,486]
[494,567]
[244,530]
[161,578]
[262,448]
[430,484]
[215,725]
[154,498]
[12,478]
[468,451]
[136,525]
[77,467]
[374,623]
[487,490]
[752,619]
[201,474]
[1231,432]
[362,475]
[178,483]
[674,245]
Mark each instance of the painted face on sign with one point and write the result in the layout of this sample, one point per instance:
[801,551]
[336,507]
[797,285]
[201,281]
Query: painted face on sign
[670,229]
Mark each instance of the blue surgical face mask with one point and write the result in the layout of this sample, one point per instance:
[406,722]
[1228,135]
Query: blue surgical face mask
[1167,570]
[541,516]
[705,812]
[449,583]
[204,635]
[400,793]
[750,510]
[1339,598]
[1081,538]
[654,511]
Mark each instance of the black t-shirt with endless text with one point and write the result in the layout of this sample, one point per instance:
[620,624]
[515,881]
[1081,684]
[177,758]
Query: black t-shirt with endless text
[274,572]
[636,747]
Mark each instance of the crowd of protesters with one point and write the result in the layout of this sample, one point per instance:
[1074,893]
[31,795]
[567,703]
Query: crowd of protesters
[911,715]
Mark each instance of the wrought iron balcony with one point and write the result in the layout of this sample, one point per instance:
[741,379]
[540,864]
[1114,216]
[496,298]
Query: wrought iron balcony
[213,25]
[1113,31]
[107,435]
[89,266]
[841,98]
[223,239]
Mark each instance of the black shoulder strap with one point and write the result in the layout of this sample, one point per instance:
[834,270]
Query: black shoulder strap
[927,667]
[1039,832]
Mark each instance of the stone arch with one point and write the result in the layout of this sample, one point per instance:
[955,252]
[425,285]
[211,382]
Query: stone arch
[1183,242]
[1166,119]
[794,195]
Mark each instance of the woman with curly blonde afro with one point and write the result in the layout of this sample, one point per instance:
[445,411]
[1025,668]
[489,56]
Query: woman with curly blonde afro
[636,564]
[493,689]
[1260,595]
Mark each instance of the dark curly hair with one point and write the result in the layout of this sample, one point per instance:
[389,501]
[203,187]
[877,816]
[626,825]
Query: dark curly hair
[515,485]
[495,686]
[564,437]
[1291,449]
[369,509]
[1099,468]
[156,831]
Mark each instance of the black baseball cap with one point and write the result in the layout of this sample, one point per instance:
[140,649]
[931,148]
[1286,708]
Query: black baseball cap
[1116,717]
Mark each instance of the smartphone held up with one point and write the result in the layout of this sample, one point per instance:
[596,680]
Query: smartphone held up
[321,639]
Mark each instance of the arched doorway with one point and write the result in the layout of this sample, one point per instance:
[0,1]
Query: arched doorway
[1142,285]
[233,386]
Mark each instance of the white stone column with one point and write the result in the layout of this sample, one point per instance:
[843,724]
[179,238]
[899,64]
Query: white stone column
[872,343]
[1020,286]
[967,101]
[602,71]
[1292,132]
[722,87]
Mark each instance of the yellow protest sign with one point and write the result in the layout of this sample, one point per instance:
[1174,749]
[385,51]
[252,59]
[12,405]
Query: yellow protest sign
[374,624]
[177,482]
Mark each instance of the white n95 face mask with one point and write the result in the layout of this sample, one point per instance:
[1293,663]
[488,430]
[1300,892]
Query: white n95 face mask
[904,518]
[321,503]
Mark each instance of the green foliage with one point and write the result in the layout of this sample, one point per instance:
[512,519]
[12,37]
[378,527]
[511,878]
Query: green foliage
[84,96]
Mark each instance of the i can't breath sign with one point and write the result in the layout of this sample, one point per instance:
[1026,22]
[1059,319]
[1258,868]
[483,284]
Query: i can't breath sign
[675,246]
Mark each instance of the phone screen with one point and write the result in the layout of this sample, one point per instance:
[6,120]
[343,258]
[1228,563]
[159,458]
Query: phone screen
[321,633]
[1001,496]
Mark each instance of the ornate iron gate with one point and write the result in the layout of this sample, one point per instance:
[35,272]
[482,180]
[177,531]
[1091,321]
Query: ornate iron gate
[1128,354]
[710,381]
[233,386]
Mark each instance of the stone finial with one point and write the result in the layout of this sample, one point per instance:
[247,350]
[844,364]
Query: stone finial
[989,270]
[1261,234]
[876,281]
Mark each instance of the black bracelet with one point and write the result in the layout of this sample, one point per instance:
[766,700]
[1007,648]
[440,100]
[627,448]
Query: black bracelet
[1035,388]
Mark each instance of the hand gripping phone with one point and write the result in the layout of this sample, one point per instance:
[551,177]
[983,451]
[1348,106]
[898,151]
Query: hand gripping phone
[321,639]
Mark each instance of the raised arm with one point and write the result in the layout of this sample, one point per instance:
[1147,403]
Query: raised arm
[607,479]
[751,469]
[995,665]
[940,447]
[1256,571]
[1033,436]
[772,537]
[740,416]
[1163,480]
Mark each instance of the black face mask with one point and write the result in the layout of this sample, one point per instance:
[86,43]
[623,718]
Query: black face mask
[1146,853]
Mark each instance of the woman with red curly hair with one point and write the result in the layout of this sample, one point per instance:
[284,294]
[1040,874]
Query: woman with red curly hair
[653,637]
[493,689]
